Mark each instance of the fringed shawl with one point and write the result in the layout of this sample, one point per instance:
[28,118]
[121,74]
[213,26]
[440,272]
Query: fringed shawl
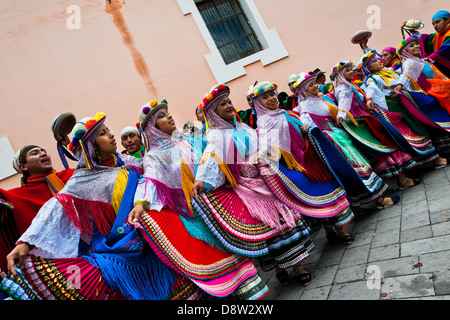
[234,147]
[230,144]
[279,135]
[169,163]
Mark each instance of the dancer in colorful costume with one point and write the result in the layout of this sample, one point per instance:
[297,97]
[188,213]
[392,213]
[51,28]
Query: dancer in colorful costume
[417,109]
[353,99]
[234,201]
[422,76]
[293,168]
[372,125]
[80,245]
[164,215]
[315,112]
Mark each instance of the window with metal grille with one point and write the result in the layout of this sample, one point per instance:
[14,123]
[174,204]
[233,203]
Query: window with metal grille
[230,29]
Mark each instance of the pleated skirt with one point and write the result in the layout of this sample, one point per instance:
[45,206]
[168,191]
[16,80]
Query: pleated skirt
[217,271]
[74,279]
[240,232]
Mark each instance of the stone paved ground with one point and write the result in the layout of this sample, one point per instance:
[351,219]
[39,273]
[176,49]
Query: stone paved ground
[402,252]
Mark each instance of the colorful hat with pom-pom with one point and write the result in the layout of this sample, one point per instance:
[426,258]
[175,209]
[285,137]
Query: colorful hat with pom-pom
[262,87]
[368,58]
[338,67]
[405,42]
[84,134]
[305,78]
[214,94]
[200,108]
[149,109]
[84,129]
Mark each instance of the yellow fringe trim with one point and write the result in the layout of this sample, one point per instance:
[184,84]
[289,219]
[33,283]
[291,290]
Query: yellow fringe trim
[291,163]
[119,189]
[222,165]
[351,117]
[386,75]
[187,182]
[334,112]
[414,84]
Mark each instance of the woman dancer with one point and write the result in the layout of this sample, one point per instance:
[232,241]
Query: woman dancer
[80,244]
[424,116]
[292,166]
[353,99]
[166,220]
[317,113]
[237,206]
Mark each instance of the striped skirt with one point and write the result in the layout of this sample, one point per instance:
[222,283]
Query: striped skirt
[74,279]
[386,160]
[349,166]
[420,147]
[218,272]
[240,232]
[426,111]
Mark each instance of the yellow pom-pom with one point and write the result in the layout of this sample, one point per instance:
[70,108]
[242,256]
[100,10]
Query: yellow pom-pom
[153,103]
[209,96]
[98,116]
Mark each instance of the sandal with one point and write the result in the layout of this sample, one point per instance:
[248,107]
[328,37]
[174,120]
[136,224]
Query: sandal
[348,239]
[395,199]
[415,180]
[303,277]
[441,165]
[283,277]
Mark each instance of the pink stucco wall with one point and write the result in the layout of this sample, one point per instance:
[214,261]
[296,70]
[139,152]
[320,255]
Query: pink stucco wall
[47,69]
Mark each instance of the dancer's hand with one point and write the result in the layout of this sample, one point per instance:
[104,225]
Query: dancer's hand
[197,189]
[398,88]
[135,214]
[304,129]
[19,253]
[370,105]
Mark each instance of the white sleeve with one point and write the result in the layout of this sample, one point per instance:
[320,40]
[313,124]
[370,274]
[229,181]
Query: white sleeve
[209,172]
[146,191]
[305,118]
[52,234]
[344,98]
[127,159]
[374,92]
[405,81]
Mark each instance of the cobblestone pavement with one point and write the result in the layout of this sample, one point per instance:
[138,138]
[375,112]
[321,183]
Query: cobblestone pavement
[401,252]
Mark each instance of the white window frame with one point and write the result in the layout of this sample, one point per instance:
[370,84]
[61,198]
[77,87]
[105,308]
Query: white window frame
[6,158]
[273,47]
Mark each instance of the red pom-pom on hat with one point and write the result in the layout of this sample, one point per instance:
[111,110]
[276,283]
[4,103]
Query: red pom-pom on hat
[90,123]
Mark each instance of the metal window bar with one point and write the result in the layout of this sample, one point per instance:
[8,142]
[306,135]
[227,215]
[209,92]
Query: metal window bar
[229,28]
